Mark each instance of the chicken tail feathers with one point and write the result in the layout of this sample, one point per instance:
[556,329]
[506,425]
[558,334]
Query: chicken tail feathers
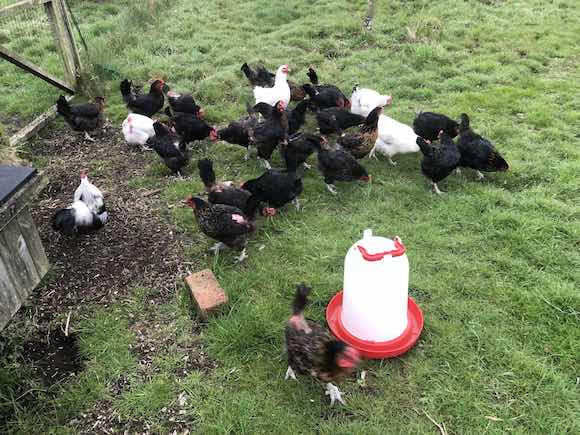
[300,299]
[63,106]
[497,162]
[312,76]
[206,172]
[63,221]
[248,72]
[309,89]
[127,91]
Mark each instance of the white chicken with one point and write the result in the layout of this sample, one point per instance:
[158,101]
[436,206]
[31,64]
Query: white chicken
[137,129]
[364,100]
[394,138]
[87,212]
[279,92]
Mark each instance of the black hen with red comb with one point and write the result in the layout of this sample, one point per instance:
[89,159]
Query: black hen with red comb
[148,104]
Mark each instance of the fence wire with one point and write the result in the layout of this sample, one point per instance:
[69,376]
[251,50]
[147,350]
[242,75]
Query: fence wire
[27,32]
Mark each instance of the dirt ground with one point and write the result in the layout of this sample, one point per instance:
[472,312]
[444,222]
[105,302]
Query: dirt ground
[137,248]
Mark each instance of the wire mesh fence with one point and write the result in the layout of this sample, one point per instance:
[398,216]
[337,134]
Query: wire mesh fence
[27,32]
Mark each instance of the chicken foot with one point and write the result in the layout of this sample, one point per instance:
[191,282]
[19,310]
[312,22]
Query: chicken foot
[265,163]
[88,137]
[217,247]
[331,188]
[242,256]
[296,203]
[480,176]
[290,374]
[334,393]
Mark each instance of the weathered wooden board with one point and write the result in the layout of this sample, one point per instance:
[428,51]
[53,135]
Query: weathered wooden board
[23,262]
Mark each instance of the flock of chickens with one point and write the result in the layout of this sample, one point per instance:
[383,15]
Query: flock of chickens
[229,213]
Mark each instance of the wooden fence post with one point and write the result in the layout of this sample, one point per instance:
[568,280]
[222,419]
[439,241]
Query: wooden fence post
[64,39]
[370,15]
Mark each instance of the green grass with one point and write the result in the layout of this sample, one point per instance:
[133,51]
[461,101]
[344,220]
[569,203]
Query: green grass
[496,262]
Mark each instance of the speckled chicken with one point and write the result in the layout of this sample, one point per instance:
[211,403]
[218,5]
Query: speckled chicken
[82,117]
[314,351]
[438,160]
[229,225]
[361,143]
[429,124]
[477,152]
[148,104]
[339,165]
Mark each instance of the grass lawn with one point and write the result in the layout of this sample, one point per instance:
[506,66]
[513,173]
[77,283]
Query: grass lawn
[494,264]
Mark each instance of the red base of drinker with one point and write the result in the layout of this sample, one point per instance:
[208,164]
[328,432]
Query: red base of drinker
[376,349]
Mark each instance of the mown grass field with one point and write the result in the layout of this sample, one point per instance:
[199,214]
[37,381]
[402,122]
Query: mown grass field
[494,264]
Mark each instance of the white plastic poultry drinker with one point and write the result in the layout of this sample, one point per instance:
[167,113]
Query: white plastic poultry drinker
[376,287]
[374,312]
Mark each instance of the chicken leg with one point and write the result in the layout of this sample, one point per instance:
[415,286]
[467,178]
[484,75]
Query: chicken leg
[334,393]
[436,188]
[480,176]
[242,256]
[296,203]
[265,163]
[217,247]
[290,374]
[88,137]
[392,162]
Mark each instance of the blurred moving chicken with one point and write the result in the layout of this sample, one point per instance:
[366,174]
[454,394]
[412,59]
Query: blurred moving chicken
[260,76]
[184,103]
[339,165]
[300,146]
[364,100]
[172,151]
[438,160]
[138,129]
[477,152]
[361,143]
[394,138]
[267,135]
[277,187]
[324,96]
[229,225]
[148,104]
[224,192]
[82,117]
[191,128]
[314,351]
[336,119]
[279,92]
[86,214]
[429,124]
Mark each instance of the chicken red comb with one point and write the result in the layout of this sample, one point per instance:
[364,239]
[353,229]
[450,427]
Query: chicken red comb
[83,173]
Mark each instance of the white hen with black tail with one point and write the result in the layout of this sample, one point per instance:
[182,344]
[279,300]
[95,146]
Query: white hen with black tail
[86,214]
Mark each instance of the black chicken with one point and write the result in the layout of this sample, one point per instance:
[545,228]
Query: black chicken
[438,160]
[82,117]
[268,134]
[277,187]
[336,119]
[296,117]
[192,128]
[172,151]
[229,225]
[300,146]
[324,96]
[477,152]
[313,350]
[224,192]
[429,124]
[339,165]
[241,132]
[360,144]
[148,104]
[184,103]
[264,78]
